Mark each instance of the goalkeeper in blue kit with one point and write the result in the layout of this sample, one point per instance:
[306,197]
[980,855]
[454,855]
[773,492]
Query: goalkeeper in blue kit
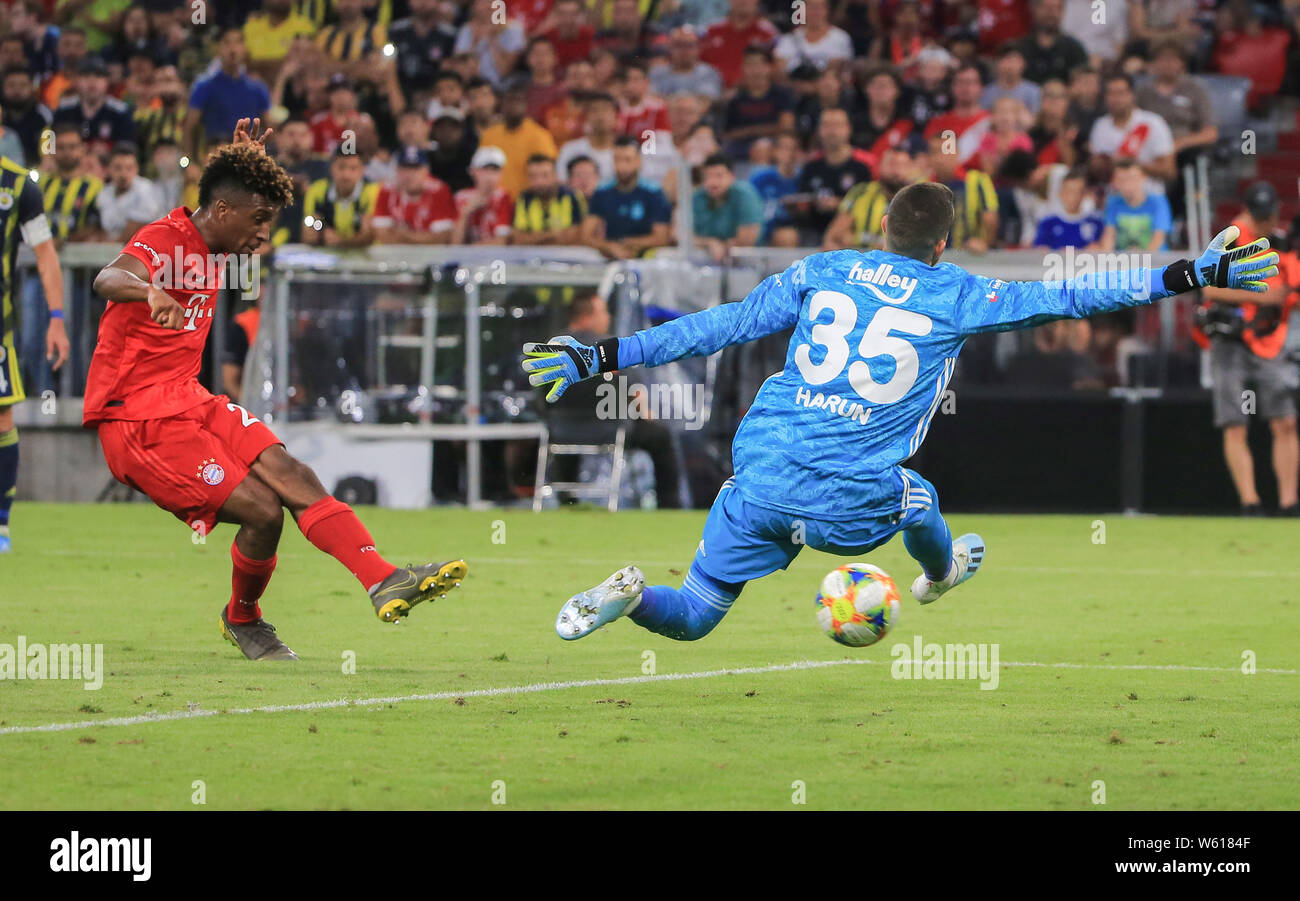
[817,457]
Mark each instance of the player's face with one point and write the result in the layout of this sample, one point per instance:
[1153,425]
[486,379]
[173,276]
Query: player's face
[243,227]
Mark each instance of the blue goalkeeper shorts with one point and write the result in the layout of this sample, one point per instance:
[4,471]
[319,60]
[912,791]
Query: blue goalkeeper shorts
[744,541]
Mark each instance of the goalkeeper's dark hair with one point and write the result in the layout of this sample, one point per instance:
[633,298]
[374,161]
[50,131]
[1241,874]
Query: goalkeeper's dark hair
[246,168]
[920,216]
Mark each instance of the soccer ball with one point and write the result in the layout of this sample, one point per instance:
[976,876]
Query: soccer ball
[858,604]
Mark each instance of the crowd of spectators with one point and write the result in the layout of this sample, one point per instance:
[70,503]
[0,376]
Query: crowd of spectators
[518,121]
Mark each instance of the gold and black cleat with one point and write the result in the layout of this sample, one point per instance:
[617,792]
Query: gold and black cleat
[410,585]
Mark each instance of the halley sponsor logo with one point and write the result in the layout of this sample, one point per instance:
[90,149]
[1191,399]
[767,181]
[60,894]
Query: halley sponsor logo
[36,660]
[103,855]
[882,276]
[839,406]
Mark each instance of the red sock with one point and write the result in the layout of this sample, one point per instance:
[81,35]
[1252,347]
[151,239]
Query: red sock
[247,584]
[332,526]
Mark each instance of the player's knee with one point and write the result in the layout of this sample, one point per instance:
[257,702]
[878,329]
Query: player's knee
[267,514]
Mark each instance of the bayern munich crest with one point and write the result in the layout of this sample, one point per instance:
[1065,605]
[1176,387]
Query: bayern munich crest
[211,472]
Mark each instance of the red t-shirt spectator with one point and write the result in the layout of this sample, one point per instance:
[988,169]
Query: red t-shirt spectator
[723,45]
[432,210]
[574,48]
[491,220]
[969,131]
[651,114]
[327,132]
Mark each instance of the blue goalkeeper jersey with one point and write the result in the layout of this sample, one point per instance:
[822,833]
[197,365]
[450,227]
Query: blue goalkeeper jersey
[876,339]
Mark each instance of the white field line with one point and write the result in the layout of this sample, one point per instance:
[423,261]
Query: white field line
[561,686]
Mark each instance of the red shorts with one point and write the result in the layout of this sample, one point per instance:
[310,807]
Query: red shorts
[190,463]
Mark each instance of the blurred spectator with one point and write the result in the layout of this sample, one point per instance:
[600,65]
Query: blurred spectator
[974,198]
[480,105]
[774,184]
[451,150]
[882,123]
[71,197]
[966,123]
[11,145]
[760,108]
[627,34]
[828,175]
[829,92]
[572,38]
[1005,134]
[724,43]
[239,340]
[582,176]
[448,94]
[857,221]
[421,41]
[498,45]
[484,210]
[270,33]
[1054,134]
[1103,36]
[816,42]
[519,136]
[135,39]
[128,201]
[177,185]
[930,93]
[329,126]
[340,210]
[418,208]
[72,52]
[900,45]
[1058,359]
[727,213]
[1127,132]
[627,217]
[28,21]
[1247,333]
[1086,103]
[352,37]
[545,88]
[1135,219]
[1069,217]
[567,119]
[221,99]
[103,120]
[12,53]
[1009,81]
[601,116]
[684,72]
[1181,101]
[24,115]
[546,212]
[642,113]
[1048,52]
[1154,20]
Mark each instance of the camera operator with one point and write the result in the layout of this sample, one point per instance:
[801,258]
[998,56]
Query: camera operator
[1246,333]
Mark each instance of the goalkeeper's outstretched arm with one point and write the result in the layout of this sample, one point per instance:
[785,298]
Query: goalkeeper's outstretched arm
[769,308]
[991,305]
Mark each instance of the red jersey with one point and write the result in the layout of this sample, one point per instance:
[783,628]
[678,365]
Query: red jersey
[491,220]
[572,49]
[432,210]
[651,114]
[723,45]
[141,370]
[326,132]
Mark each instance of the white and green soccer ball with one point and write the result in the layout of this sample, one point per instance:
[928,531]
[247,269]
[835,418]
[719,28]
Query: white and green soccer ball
[858,604]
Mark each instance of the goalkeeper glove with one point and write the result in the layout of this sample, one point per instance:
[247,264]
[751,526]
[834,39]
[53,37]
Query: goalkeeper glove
[560,363]
[1244,268]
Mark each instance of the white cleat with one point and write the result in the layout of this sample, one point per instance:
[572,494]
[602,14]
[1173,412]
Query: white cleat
[967,555]
[586,612]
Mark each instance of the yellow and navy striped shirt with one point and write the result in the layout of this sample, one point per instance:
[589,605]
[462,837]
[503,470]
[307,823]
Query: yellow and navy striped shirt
[71,203]
[537,214]
[20,203]
[974,196]
[866,202]
[343,214]
[352,44]
[153,126]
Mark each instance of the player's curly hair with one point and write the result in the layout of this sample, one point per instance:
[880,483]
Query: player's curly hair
[248,168]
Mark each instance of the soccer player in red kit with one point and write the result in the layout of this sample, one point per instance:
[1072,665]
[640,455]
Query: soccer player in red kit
[199,456]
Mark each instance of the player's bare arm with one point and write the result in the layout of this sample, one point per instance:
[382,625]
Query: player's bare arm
[126,280]
[51,276]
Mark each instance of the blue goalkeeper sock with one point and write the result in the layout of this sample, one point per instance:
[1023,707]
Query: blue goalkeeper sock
[930,544]
[8,473]
[689,612]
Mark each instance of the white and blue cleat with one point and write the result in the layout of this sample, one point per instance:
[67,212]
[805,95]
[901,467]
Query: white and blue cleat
[6,546]
[586,612]
[967,555]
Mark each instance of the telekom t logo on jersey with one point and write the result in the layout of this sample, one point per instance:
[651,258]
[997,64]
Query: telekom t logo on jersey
[883,275]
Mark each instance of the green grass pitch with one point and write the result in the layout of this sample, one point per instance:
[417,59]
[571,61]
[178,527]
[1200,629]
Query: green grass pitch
[1156,712]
